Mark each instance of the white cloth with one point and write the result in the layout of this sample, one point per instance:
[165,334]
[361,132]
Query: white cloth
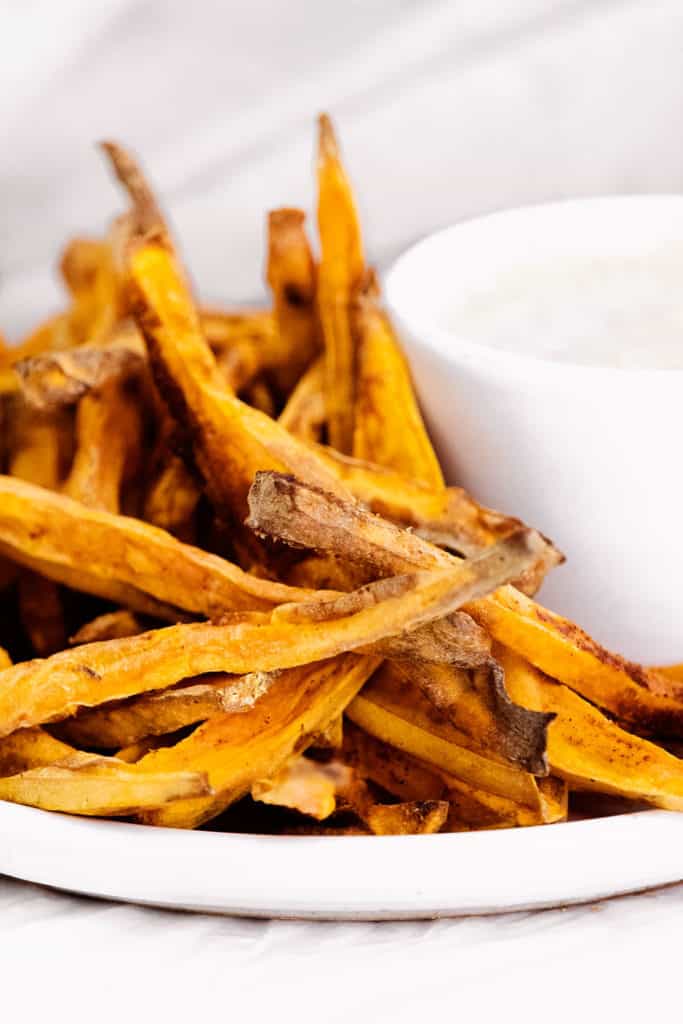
[445,109]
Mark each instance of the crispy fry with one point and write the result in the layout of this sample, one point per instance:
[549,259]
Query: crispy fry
[404,719]
[108,435]
[230,441]
[291,275]
[54,533]
[42,691]
[60,378]
[154,714]
[110,626]
[341,266]
[172,498]
[590,751]
[301,515]
[147,212]
[304,414]
[388,425]
[237,750]
[42,771]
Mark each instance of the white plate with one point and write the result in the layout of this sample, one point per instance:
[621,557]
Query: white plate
[352,877]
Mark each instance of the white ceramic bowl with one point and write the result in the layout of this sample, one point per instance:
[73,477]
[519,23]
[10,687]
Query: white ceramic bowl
[589,455]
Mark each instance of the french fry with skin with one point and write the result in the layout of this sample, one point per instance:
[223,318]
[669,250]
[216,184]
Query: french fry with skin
[388,426]
[590,751]
[42,691]
[230,441]
[154,714]
[57,535]
[290,511]
[404,719]
[56,379]
[291,275]
[304,414]
[341,267]
[236,751]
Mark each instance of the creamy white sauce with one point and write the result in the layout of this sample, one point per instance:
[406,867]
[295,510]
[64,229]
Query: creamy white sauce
[624,311]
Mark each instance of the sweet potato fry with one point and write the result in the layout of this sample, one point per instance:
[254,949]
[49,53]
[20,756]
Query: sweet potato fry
[388,425]
[108,435]
[291,275]
[110,626]
[283,508]
[304,414]
[60,378]
[341,266]
[237,750]
[172,498]
[303,785]
[54,533]
[41,691]
[94,790]
[590,751]
[40,770]
[405,719]
[230,441]
[154,714]
[147,212]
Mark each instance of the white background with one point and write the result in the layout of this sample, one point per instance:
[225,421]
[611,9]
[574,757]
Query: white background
[446,109]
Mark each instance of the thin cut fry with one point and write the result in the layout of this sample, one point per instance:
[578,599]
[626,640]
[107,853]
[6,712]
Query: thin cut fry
[237,750]
[388,426]
[304,414]
[41,691]
[284,508]
[154,714]
[590,751]
[341,266]
[108,434]
[38,526]
[292,279]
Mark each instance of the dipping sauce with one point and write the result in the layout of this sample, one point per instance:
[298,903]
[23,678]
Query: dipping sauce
[624,312]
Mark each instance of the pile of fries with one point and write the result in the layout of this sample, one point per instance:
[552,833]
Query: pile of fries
[233,581]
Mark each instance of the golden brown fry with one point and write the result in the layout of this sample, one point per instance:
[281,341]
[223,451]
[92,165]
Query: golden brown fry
[5,660]
[230,441]
[88,269]
[291,275]
[341,266]
[282,507]
[304,786]
[53,533]
[41,691]
[388,425]
[223,327]
[61,378]
[304,414]
[108,436]
[590,751]
[405,719]
[100,790]
[237,750]
[172,498]
[147,212]
[155,714]
[110,626]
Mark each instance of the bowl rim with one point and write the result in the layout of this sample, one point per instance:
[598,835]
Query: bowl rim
[427,334]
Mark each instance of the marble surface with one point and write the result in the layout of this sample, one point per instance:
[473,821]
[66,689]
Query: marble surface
[446,109]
